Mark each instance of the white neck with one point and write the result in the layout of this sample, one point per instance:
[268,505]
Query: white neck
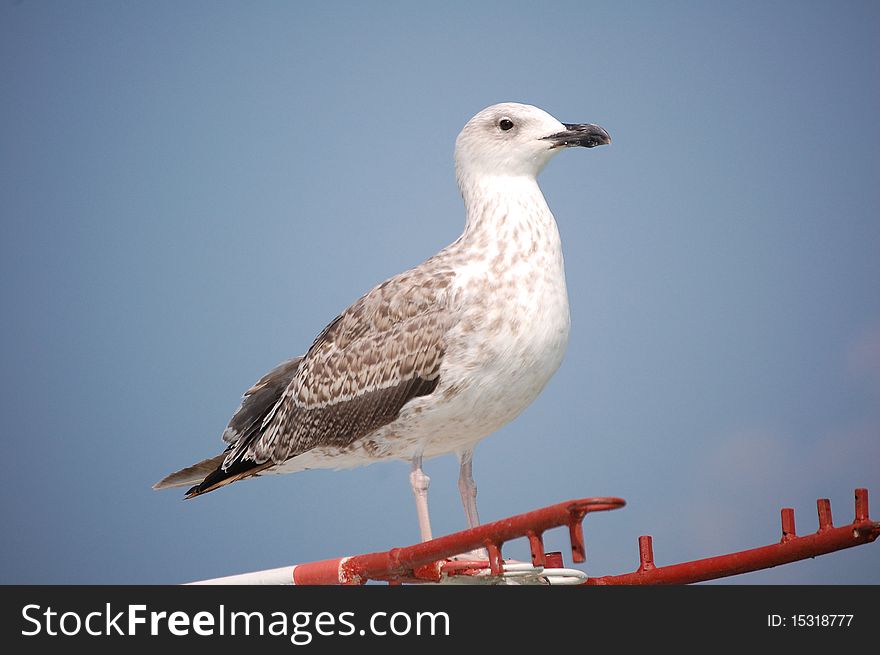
[502,204]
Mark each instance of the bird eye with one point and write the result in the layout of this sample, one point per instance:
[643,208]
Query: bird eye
[505,124]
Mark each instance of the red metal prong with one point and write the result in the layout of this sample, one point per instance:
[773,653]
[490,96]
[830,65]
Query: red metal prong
[788,530]
[554,560]
[861,504]
[823,505]
[536,545]
[576,536]
[496,564]
[646,553]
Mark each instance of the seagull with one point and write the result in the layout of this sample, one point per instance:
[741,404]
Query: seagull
[436,358]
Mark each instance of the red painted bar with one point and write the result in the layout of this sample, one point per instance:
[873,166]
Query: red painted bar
[646,553]
[823,506]
[791,549]
[536,546]
[402,562]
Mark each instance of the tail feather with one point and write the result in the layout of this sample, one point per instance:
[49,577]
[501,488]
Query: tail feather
[191,474]
[220,478]
[243,428]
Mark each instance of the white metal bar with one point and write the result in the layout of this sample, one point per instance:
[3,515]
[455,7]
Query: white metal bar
[280,576]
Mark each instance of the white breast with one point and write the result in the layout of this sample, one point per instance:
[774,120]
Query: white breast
[512,334]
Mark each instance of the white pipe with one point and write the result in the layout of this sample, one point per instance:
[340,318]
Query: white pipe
[280,576]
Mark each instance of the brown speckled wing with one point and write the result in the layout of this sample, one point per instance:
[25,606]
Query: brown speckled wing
[382,352]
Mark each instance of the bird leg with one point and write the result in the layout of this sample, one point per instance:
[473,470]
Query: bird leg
[420,482]
[468,490]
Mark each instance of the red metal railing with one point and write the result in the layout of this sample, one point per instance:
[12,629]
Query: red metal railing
[791,548]
[430,561]
[424,562]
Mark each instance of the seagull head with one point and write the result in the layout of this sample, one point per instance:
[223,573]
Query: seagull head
[511,139]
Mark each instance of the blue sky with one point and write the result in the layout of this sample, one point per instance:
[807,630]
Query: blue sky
[191,191]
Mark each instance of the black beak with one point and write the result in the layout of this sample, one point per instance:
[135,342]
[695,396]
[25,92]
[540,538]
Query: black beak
[579,134]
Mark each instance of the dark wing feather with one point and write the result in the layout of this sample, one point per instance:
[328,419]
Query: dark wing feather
[259,400]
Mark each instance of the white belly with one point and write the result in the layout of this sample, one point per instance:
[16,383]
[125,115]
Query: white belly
[499,366]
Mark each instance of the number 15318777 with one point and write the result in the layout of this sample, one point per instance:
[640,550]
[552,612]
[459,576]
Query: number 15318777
[809,620]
